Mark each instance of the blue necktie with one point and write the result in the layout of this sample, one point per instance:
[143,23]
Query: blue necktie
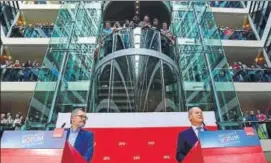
[199,129]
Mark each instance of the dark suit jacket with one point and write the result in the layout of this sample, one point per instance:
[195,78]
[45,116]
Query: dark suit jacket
[84,143]
[186,140]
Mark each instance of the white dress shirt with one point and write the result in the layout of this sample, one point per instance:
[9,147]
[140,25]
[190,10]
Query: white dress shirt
[73,135]
[196,130]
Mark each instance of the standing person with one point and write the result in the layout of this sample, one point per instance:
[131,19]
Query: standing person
[155,24]
[80,139]
[188,137]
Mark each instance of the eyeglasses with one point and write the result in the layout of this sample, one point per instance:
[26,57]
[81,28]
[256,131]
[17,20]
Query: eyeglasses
[82,116]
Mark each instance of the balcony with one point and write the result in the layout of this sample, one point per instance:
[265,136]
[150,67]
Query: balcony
[37,31]
[236,34]
[137,38]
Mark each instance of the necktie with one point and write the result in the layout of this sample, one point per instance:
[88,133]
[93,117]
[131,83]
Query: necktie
[199,129]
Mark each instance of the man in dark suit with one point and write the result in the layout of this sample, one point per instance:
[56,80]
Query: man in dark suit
[81,140]
[188,137]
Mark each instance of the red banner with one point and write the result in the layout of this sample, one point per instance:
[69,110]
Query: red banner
[144,145]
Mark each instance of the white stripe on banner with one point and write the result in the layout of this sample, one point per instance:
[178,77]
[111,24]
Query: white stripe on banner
[128,120]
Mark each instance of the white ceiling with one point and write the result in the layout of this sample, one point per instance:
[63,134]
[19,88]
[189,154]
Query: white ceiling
[25,53]
[243,54]
[15,102]
[226,19]
[40,16]
[254,100]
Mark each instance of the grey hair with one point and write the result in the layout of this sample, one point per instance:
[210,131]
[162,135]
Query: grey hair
[191,110]
[75,111]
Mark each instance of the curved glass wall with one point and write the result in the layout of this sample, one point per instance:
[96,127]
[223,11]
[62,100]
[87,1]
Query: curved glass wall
[137,82]
[136,71]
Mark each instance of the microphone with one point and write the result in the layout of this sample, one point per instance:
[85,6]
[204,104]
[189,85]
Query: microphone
[63,125]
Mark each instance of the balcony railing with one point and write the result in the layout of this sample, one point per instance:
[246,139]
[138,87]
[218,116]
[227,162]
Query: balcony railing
[262,128]
[32,32]
[25,74]
[124,39]
[222,75]
[239,34]
[226,75]
[252,75]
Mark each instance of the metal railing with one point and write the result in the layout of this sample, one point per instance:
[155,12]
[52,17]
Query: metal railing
[32,32]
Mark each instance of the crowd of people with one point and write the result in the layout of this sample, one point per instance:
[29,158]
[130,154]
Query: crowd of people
[19,122]
[253,73]
[245,33]
[167,37]
[10,122]
[39,30]
[27,71]
[261,122]
[144,24]
[226,4]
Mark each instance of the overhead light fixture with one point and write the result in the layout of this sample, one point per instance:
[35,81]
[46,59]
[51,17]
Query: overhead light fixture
[137,7]
[137,1]
[137,12]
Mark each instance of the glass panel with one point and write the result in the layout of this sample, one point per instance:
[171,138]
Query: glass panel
[201,58]
[64,81]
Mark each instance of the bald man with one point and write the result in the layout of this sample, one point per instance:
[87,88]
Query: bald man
[188,137]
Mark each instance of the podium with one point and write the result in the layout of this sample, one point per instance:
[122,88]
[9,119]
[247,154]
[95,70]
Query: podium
[234,146]
[37,147]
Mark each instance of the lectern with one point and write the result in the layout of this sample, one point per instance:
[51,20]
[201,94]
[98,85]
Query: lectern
[37,147]
[229,146]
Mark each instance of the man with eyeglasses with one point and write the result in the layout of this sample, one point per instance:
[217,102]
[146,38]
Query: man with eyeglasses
[81,140]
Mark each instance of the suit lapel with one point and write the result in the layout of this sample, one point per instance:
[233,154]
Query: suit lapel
[78,138]
[192,136]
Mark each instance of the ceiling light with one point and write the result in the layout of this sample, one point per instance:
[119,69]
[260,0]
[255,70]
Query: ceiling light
[136,6]
[137,1]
